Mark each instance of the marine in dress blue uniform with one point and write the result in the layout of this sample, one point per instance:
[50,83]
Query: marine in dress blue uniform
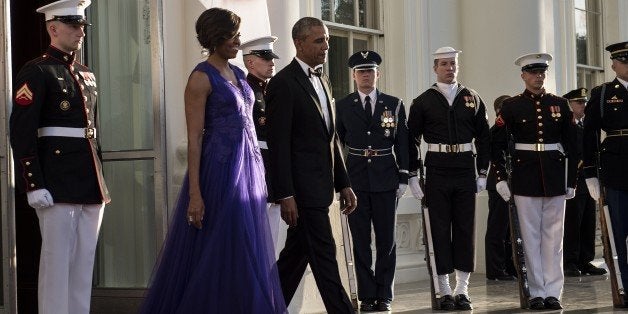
[607,110]
[372,127]
[580,211]
[53,136]
[497,249]
[541,126]
[258,57]
[451,118]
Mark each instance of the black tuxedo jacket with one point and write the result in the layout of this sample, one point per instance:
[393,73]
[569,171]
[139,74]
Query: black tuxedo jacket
[304,155]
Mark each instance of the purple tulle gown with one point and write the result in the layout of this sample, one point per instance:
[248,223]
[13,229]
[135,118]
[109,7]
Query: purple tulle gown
[229,265]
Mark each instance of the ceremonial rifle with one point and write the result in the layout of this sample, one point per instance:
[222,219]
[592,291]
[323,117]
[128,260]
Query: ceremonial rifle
[430,260]
[348,247]
[608,240]
[518,253]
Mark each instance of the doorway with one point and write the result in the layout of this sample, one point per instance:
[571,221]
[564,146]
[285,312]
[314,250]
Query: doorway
[123,49]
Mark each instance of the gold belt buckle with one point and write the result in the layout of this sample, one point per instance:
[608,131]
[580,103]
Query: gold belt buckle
[89,133]
[452,148]
[540,147]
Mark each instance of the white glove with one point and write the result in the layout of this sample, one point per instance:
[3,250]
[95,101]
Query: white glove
[481,184]
[593,184]
[39,199]
[503,190]
[415,187]
[401,190]
[570,193]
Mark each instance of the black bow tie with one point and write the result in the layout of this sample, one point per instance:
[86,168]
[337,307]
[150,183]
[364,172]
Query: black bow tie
[315,72]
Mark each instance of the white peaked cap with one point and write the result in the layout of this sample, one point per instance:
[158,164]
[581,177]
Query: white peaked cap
[261,46]
[538,60]
[75,9]
[446,52]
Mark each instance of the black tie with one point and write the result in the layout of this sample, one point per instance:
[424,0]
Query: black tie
[580,123]
[367,108]
[316,72]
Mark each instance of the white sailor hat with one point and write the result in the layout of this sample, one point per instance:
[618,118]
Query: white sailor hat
[533,61]
[446,52]
[66,11]
[261,47]
[364,60]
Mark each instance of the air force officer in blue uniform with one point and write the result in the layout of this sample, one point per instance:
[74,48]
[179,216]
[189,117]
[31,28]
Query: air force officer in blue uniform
[372,127]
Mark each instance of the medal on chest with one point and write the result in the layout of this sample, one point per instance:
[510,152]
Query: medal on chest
[469,101]
[89,78]
[388,119]
[555,110]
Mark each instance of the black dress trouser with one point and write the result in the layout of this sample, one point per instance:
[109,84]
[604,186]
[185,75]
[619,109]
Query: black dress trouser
[311,242]
[497,240]
[450,197]
[579,239]
[378,208]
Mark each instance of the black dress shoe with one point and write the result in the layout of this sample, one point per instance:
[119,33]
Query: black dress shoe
[368,305]
[552,303]
[571,270]
[463,303]
[592,270]
[537,304]
[502,276]
[383,305]
[447,303]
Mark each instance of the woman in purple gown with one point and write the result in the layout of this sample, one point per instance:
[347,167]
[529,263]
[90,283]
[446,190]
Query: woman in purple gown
[218,256]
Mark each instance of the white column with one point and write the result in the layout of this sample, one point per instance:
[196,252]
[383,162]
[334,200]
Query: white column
[282,15]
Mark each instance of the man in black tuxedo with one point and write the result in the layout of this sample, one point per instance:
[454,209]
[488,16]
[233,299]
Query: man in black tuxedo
[307,165]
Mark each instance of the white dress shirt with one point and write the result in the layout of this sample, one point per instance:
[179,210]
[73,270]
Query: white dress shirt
[320,91]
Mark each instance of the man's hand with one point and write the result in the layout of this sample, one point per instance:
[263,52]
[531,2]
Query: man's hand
[348,201]
[289,212]
[401,190]
[593,184]
[415,187]
[570,193]
[503,190]
[481,184]
[39,199]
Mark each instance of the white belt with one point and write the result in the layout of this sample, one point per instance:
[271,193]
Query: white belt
[67,132]
[539,147]
[446,148]
[262,144]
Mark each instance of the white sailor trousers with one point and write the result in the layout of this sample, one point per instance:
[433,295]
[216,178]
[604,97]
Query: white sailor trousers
[69,233]
[542,221]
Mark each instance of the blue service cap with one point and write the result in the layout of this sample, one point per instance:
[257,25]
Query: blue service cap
[577,94]
[619,51]
[364,60]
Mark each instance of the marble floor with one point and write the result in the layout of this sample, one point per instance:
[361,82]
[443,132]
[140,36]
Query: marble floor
[586,294]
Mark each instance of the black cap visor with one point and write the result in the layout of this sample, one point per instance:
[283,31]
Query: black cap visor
[264,54]
[71,19]
[535,67]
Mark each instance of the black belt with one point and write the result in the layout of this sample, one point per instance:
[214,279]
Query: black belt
[622,132]
[368,152]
